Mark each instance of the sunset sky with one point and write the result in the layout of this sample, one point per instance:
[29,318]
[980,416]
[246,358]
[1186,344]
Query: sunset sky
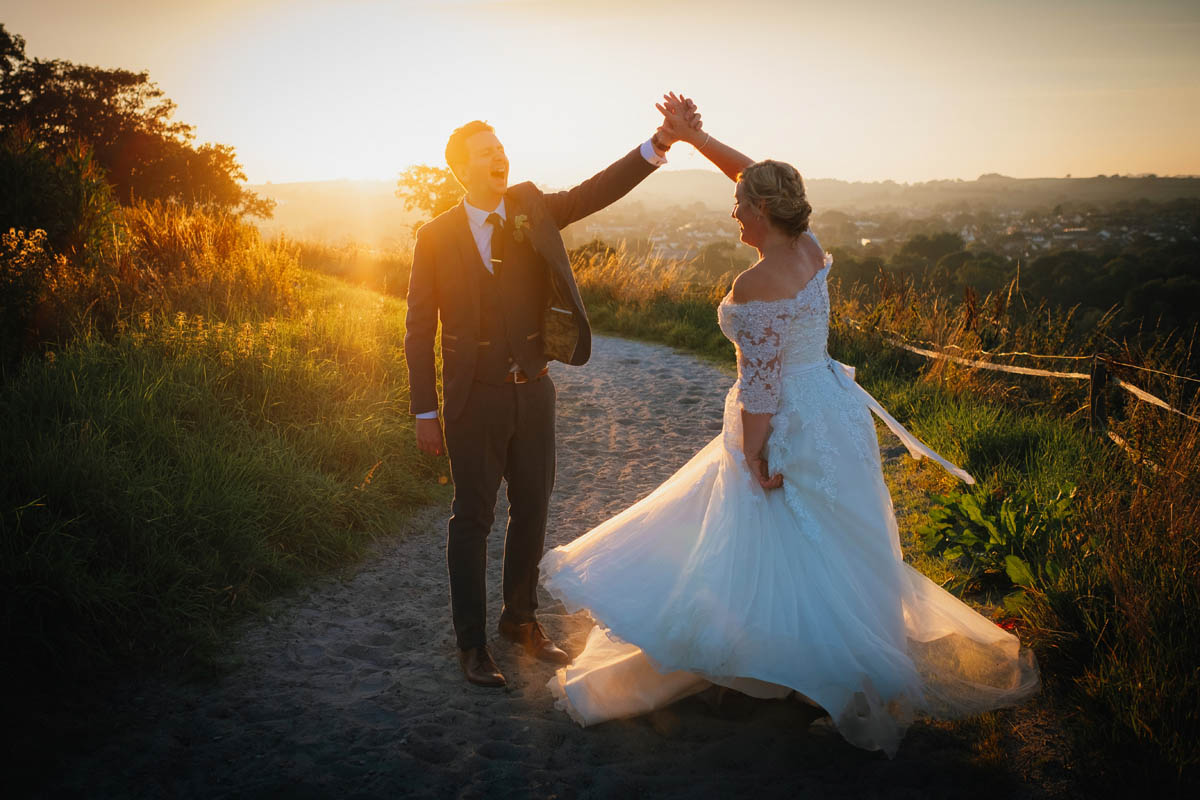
[860,91]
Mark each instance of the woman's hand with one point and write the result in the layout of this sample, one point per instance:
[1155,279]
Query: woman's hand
[758,468]
[681,120]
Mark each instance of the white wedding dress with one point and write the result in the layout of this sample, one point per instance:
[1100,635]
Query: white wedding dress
[709,579]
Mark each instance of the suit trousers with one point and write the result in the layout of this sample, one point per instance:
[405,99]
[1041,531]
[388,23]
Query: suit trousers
[505,431]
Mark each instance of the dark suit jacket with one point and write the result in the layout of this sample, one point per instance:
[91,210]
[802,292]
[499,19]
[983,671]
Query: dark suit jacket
[447,273]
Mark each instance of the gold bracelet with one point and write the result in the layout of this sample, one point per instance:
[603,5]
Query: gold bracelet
[707,137]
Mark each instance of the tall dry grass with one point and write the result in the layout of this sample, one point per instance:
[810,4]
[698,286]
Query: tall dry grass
[152,257]
[170,258]
[653,298]
[384,271]
[1116,632]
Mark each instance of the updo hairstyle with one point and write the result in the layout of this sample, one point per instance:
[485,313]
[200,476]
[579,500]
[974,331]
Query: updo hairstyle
[780,190]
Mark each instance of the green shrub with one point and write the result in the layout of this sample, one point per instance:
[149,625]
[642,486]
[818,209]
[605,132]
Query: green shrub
[65,195]
[1019,540]
[56,219]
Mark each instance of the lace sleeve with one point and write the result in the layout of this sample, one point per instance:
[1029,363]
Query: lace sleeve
[758,330]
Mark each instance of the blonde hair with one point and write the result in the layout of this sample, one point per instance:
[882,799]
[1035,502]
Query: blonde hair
[780,190]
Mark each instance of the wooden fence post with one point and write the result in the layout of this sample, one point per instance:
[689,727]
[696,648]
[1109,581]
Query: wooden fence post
[1098,397]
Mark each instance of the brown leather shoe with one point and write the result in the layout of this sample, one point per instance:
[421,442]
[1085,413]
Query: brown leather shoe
[479,668]
[531,636]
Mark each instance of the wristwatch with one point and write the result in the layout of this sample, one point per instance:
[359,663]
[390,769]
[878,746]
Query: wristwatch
[658,143]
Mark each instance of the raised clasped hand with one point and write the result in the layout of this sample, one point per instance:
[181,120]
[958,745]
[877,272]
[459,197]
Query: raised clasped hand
[681,119]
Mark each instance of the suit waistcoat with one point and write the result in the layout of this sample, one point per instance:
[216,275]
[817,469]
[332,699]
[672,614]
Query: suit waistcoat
[495,354]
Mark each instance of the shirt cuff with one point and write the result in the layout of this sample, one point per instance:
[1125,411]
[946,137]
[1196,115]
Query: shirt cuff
[651,155]
[427,415]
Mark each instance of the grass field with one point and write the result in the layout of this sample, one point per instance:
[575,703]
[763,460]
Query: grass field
[170,472]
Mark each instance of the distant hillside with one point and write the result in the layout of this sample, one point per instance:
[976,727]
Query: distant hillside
[369,212]
[995,192]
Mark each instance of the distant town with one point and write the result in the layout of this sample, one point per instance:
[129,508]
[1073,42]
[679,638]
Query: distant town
[679,214]
[679,232]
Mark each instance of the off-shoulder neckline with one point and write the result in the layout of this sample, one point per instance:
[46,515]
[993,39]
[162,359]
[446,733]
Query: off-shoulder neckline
[726,301]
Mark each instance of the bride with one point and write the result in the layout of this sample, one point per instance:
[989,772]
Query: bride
[770,563]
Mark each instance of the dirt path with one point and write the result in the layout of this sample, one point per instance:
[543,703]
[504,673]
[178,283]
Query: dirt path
[351,688]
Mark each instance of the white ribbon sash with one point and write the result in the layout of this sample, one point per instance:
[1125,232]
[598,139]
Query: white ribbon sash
[916,448]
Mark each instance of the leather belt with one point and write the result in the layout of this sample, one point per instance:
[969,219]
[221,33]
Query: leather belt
[521,377]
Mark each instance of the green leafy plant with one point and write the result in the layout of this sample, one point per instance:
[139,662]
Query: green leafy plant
[1017,540]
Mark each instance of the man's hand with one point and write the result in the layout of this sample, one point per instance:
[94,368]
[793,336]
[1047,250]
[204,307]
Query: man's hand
[429,436]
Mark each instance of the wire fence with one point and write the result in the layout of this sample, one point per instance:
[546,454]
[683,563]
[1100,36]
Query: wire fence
[1100,378]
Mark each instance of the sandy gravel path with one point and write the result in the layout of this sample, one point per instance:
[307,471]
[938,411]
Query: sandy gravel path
[351,688]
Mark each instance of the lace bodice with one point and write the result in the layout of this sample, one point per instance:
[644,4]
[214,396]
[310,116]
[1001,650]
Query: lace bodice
[774,335]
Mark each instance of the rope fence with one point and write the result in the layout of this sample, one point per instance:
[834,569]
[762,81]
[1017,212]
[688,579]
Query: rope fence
[1147,369]
[1100,377]
[1141,394]
[901,340]
[1079,376]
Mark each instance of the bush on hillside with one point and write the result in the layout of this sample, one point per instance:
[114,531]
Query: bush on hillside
[71,259]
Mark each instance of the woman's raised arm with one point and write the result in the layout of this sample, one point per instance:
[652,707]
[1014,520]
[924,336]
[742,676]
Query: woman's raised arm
[682,121]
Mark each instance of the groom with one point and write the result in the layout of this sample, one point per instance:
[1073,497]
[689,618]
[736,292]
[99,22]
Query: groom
[491,269]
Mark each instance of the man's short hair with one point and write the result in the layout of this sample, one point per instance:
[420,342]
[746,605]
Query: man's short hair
[456,147]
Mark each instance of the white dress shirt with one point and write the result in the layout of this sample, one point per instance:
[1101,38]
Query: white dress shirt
[482,231]
[477,218]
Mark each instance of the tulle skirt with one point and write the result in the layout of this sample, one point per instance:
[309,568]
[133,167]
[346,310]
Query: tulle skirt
[709,579]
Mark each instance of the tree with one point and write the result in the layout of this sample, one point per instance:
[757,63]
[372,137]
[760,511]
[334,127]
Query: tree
[12,51]
[852,269]
[932,247]
[920,253]
[431,189]
[984,272]
[1058,276]
[717,258]
[837,228]
[126,120]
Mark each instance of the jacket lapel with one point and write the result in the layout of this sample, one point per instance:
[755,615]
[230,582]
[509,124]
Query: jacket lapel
[512,210]
[545,238]
[539,230]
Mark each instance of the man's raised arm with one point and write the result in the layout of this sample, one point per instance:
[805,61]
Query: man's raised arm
[610,184]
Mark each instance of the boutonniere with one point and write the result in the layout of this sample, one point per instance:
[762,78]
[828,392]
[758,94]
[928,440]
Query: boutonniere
[520,225]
